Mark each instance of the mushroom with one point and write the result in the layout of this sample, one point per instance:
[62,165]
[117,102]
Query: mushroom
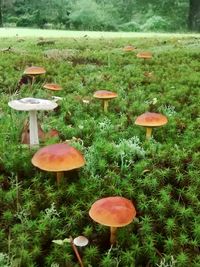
[32,105]
[144,55]
[150,120]
[129,48]
[33,72]
[58,158]
[52,86]
[52,133]
[80,241]
[105,96]
[113,212]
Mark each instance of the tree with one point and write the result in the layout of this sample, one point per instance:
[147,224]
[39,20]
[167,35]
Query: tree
[5,5]
[1,13]
[194,15]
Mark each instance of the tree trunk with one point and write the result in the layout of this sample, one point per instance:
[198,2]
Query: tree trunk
[1,13]
[194,15]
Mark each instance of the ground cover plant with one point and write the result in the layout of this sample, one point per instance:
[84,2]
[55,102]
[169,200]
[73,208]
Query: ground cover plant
[160,176]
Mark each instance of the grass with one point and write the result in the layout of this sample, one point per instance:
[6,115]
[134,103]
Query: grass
[161,177]
[26,32]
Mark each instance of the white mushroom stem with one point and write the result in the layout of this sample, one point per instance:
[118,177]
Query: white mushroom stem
[33,128]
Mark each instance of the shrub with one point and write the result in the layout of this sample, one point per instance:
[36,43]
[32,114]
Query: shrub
[155,23]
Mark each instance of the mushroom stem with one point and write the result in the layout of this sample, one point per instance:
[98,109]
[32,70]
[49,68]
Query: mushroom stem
[148,133]
[105,105]
[76,252]
[113,231]
[33,128]
[32,80]
[59,176]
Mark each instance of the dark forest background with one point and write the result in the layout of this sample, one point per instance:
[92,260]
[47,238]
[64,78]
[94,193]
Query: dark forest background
[103,15]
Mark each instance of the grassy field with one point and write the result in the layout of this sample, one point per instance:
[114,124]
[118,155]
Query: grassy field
[160,176]
[24,32]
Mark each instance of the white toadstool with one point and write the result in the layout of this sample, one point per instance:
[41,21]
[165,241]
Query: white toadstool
[32,105]
[80,241]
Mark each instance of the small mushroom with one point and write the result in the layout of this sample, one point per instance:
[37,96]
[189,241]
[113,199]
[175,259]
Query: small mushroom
[51,134]
[105,96]
[129,48]
[144,55]
[58,158]
[80,241]
[33,72]
[150,120]
[32,105]
[52,86]
[113,212]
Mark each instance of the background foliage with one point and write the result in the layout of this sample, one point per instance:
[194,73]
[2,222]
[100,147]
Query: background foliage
[115,15]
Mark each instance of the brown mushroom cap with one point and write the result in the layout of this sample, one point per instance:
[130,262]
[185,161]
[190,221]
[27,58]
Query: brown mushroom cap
[151,119]
[113,211]
[129,48]
[58,157]
[34,70]
[103,94]
[145,55]
[52,86]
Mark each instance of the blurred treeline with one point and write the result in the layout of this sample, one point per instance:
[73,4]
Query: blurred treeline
[105,15]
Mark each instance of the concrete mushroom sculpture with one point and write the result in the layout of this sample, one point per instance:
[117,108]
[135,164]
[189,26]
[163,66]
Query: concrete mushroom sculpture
[58,158]
[151,120]
[105,96]
[32,105]
[33,72]
[113,212]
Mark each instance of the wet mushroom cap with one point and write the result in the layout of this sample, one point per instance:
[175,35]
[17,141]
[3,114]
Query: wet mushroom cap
[34,70]
[144,55]
[52,86]
[113,211]
[103,94]
[151,119]
[58,157]
[80,241]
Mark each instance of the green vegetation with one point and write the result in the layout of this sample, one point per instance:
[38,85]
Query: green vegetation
[160,176]
[101,15]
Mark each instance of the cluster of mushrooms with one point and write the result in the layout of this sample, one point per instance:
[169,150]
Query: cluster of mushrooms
[112,211]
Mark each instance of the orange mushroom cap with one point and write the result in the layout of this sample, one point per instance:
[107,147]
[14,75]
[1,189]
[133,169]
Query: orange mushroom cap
[52,86]
[145,55]
[34,70]
[129,48]
[58,157]
[151,119]
[103,94]
[113,211]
